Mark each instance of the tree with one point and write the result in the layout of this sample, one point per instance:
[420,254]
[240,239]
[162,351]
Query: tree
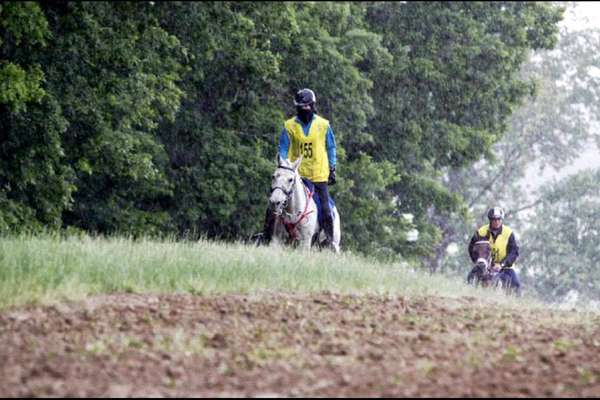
[35,183]
[218,146]
[114,72]
[22,25]
[562,251]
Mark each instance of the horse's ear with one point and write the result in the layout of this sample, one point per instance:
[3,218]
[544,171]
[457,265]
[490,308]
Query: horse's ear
[297,163]
[278,159]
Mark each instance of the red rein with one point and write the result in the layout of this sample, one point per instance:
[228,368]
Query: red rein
[291,226]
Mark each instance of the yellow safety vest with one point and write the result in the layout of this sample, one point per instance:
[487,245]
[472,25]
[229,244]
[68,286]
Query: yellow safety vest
[312,147]
[500,245]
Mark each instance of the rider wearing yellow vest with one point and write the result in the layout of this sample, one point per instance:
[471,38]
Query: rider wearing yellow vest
[310,136]
[499,243]
[311,146]
[505,250]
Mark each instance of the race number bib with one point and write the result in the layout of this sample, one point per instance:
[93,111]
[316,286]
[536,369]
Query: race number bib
[307,149]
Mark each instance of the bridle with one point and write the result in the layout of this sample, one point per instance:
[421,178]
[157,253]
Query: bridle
[489,257]
[287,193]
[290,226]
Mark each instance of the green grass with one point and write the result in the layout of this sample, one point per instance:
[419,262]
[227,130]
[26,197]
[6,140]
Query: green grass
[43,269]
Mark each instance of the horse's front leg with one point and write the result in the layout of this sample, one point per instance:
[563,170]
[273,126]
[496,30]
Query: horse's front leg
[304,242]
[306,232]
[279,233]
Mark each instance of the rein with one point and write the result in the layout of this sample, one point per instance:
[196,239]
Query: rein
[488,259]
[291,226]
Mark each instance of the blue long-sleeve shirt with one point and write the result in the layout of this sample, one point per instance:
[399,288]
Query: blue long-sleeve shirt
[284,142]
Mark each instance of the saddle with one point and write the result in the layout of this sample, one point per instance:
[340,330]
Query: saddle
[311,188]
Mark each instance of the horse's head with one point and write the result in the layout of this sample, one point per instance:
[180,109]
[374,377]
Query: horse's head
[283,183]
[483,251]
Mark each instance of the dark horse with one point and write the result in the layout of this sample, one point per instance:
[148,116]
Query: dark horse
[483,273]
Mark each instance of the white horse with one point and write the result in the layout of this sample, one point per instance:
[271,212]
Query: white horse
[295,209]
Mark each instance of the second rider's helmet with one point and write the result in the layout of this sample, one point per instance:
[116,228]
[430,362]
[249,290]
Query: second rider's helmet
[495,213]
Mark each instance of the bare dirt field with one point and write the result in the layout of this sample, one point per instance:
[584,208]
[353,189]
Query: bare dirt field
[275,344]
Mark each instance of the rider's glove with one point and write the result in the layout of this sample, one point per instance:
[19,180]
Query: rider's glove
[331,180]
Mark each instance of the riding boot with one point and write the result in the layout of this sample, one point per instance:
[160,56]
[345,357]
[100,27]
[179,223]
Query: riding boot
[265,236]
[269,226]
[328,229]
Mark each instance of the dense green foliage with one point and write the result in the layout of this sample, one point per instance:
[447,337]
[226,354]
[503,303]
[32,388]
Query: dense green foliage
[163,118]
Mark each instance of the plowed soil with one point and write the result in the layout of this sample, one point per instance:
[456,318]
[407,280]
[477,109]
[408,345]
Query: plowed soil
[275,344]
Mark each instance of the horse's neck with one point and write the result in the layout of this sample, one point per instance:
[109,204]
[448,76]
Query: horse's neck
[297,202]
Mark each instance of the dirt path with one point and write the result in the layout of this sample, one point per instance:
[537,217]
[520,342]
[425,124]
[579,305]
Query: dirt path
[294,345]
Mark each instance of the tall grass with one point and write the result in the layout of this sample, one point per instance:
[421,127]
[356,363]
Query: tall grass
[36,269]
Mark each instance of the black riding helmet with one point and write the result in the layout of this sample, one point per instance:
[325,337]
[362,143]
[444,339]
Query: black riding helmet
[305,97]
